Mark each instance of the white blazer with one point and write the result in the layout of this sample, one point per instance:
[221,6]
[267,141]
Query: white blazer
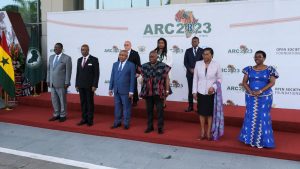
[168,60]
[202,82]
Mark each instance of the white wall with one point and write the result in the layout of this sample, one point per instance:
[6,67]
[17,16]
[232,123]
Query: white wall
[250,24]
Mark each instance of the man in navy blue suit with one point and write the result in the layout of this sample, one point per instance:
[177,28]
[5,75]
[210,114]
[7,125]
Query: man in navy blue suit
[122,84]
[191,56]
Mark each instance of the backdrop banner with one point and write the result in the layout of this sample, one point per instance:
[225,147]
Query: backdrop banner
[234,30]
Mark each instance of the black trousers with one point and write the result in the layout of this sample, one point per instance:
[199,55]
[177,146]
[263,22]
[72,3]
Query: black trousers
[87,104]
[190,86]
[135,94]
[158,102]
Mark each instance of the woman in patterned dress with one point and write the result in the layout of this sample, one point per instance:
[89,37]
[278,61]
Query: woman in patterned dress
[258,80]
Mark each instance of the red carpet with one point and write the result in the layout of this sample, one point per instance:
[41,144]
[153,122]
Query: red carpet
[181,129]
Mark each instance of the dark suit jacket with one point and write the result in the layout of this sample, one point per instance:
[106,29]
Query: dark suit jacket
[134,57]
[88,76]
[122,82]
[190,60]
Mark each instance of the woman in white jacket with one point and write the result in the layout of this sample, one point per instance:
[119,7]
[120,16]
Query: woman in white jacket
[206,73]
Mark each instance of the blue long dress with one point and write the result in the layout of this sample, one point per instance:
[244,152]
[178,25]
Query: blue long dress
[257,128]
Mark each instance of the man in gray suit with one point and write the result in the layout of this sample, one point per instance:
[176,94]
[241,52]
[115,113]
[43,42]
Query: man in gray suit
[58,79]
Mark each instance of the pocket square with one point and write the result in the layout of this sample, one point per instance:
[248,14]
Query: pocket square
[90,64]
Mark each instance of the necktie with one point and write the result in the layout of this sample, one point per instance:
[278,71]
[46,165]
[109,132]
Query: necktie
[195,51]
[83,63]
[120,67]
[55,61]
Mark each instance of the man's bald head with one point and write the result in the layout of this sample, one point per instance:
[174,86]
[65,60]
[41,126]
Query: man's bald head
[127,45]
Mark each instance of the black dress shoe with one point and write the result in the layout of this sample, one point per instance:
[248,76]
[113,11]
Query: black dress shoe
[90,124]
[62,119]
[54,118]
[148,130]
[160,131]
[126,127]
[189,109]
[115,126]
[134,104]
[82,122]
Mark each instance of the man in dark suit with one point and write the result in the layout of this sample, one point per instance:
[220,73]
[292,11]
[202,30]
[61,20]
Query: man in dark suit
[122,83]
[191,56]
[134,57]
[87,77]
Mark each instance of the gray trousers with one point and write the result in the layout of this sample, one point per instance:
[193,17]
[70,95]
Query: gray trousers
[59,101]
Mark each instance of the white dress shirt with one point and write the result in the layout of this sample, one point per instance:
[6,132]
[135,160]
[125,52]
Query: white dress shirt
[195,51]
[57,58]
[86,58]
[123,63]
[202,82]
[168,60]
[128,52]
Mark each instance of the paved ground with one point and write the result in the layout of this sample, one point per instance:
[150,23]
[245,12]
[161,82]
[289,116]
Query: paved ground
[8,161]
[118,153]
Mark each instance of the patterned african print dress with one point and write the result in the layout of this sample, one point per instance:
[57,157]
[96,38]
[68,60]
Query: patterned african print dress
[257,128]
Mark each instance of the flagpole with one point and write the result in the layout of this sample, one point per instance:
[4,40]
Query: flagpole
[7,108]
[2,104]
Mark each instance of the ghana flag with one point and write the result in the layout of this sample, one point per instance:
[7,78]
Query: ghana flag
[7,75]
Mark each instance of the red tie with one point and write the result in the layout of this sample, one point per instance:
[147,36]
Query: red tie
[84,60]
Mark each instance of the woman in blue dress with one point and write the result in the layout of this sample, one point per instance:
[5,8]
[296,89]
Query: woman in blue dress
[257,128]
